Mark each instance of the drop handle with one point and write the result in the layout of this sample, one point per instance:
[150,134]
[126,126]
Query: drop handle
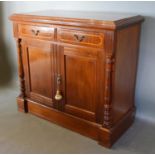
[58,95]
[79,38]
[35,32]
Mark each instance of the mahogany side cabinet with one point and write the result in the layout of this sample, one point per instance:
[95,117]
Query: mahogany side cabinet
[78,69]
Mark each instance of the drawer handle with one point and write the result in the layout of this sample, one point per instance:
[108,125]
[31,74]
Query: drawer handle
[79,38]
[58,95]
[35,32]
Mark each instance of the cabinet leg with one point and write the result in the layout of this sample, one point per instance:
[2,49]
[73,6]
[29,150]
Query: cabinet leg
[22,104]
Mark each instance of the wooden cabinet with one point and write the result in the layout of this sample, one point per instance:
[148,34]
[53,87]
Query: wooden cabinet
[79,73]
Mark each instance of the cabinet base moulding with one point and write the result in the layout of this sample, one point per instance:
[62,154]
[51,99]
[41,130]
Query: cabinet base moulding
[22,104]
[105,137]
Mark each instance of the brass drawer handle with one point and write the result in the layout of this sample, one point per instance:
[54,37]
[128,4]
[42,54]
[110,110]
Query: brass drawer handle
[79,38]
[35,32]
[58,95]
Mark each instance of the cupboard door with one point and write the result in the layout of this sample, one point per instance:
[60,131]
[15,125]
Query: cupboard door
[80,69]
[39,72]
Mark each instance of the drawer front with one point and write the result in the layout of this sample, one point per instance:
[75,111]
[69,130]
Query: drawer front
[40,32]
[81,37]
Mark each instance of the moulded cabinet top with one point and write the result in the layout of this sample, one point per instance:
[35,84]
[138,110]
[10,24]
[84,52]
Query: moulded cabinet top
[109,20]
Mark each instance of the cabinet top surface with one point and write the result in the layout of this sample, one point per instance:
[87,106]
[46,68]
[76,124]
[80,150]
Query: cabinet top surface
[90,18]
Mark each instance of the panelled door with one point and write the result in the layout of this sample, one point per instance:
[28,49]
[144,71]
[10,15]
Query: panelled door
[81,80]
[39,70]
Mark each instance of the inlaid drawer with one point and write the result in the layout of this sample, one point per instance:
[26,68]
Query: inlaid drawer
[81,37]
[40,32]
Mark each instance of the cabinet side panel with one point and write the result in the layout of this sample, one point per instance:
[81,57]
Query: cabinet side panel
[125,71]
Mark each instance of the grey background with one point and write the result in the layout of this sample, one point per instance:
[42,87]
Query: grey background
[145,86]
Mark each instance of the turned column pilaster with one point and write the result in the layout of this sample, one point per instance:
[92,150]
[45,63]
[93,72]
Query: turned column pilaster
[21,74]
[107,123]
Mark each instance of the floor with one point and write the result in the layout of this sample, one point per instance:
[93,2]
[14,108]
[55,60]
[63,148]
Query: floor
[25,133]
